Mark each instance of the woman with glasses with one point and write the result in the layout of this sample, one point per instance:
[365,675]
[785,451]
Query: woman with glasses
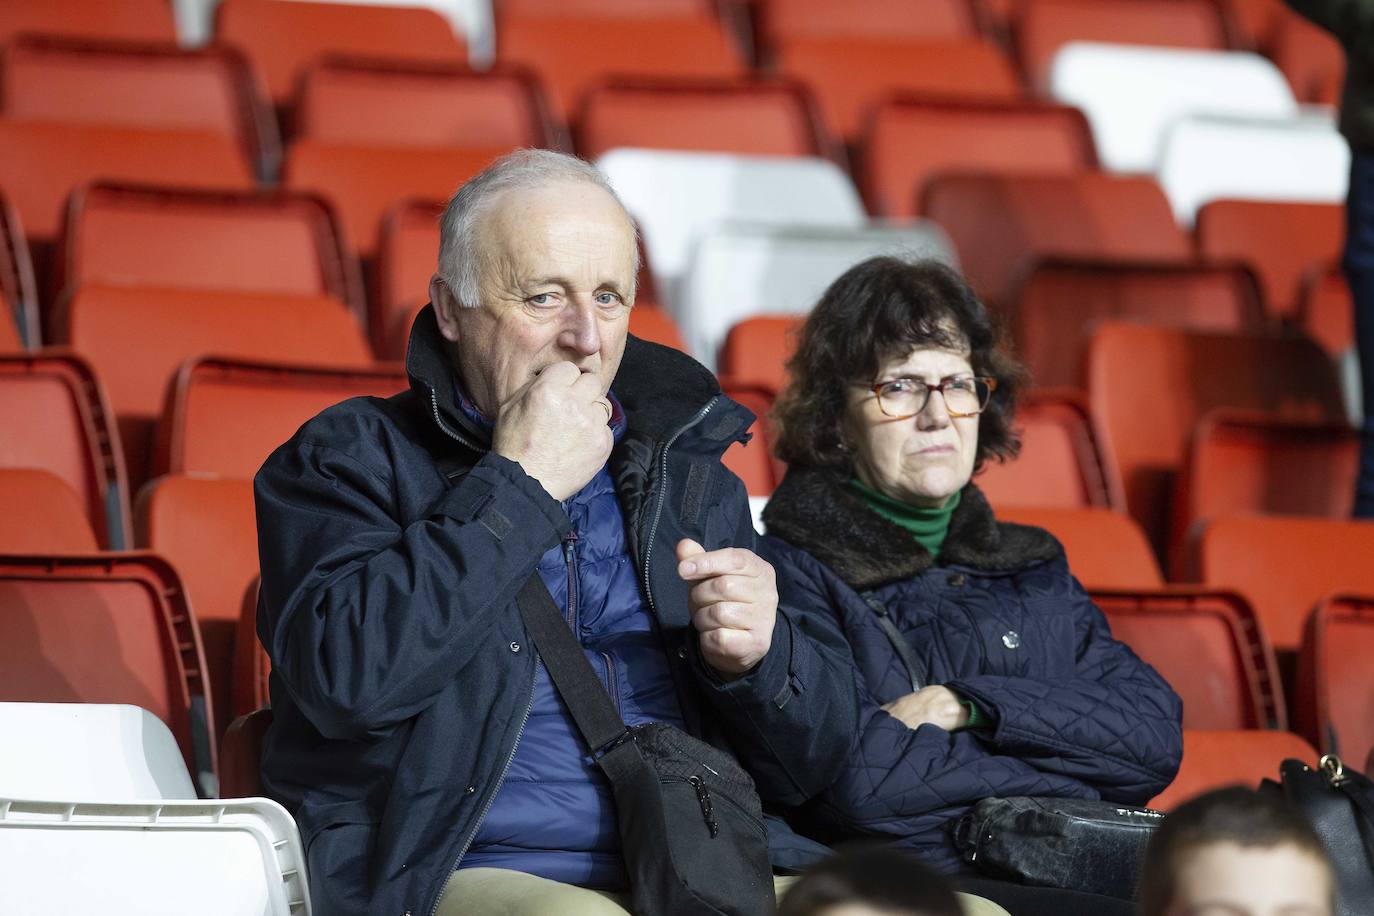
[983,667]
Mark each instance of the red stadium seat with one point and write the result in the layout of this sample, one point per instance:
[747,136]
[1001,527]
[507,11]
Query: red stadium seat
[1149,385]
[139,85]
[963,69]
[287,243]
[773,118]
[10,341]
[1044,26]
[42,514]
[1209,646]
[1060,463]
[240,755]
[282,39]
[1310,57]
[1214,759]
[1327,314]
[429,105]
[18,292]
[1334,702]
[407,253]
[908,141]
[756,351]
[783,21]
[225,416]
[651,323]
[54,415]
[1060,302]
[137,338]
[252,667]
[571,54]
[106,628]
[1104,547]
[134,20]
[206,527]
[753,461]
[1252,24]
[611,9]
[1280,241]
[365,182]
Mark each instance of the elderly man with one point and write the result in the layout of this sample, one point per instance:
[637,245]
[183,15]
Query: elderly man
[430,763]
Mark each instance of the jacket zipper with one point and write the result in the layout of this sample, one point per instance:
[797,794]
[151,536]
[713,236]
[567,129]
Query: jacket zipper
[570,558]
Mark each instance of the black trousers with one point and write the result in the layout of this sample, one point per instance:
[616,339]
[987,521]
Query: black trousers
[1024,900]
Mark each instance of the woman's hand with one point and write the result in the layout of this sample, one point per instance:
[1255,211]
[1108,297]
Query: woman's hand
[934,705]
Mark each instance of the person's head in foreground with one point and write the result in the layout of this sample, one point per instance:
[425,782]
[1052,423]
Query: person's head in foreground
[1236,852]
[870,880]
[899,382]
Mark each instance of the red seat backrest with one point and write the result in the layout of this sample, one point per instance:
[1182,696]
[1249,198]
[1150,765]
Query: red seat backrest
[1060,463]
[1105,548]
[1310,57]
[753,461]
[136,20]
[1213,759]
[782,21]
[42,514]
[1334,706]
[407,253]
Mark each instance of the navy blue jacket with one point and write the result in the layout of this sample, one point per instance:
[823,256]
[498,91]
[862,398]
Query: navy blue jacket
[392,545]
[998,619]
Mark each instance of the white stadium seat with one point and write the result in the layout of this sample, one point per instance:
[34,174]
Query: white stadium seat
[1132,94]
[1209,158]
[677,197]
[739,270]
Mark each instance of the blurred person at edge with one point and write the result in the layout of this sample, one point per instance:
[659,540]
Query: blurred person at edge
[417,738]
[984,669]
[1352,22]
[864,879]
[1236,852]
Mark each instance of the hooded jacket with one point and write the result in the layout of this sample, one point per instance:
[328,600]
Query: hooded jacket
[393,542]
[998,619]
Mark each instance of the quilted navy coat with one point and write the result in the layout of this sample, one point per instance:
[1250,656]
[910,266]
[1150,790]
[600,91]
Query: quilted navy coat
[997,618]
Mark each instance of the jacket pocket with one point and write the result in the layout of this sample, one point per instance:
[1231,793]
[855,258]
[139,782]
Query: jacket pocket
[338,840]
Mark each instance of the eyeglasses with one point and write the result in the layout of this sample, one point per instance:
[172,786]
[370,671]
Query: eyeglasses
[903,398]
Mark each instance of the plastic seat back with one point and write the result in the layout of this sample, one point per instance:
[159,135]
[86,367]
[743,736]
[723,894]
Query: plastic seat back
[756,351]
[41,163]
[137,85]
[651,323]
[572,53]
[908,141]
[783,21]
[286,243]
[1105,548]
[753,461]
[736,272]
[1000,224]
[1060,464]
[1310,57]
[225,416]
[965,69]
[399,104]
[1334,706]
[42,514]
[108,628]
[1281,241]
[1132,94]
[407,253]
[1327,314]
[54,415]
[1285,565]
[677,196]
[1208,645]
[18,291]
[772,118]
[1149,386]
[1044,26]
[282,39]
[1061,302]
[90,751]
[134,20]
[240,754]
[1212,158]
[1213,759]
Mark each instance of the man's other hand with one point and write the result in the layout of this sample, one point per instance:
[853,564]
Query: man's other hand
[556,428]
[734,603]
[934,705]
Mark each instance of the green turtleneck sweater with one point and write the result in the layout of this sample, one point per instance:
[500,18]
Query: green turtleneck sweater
[928,527]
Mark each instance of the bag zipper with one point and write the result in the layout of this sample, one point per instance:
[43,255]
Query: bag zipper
[570,559]
[704,800]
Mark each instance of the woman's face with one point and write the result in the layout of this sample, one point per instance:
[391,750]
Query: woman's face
[922,460]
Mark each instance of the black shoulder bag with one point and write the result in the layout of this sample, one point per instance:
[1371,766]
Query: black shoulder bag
[691,824]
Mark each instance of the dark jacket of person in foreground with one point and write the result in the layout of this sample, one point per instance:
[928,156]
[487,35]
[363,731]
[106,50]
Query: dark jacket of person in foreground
[998,619]
[393,544]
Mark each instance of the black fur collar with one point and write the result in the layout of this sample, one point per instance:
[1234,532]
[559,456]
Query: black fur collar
[814,510]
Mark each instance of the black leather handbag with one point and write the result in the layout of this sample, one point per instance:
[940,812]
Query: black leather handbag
[1340,805]
[691,823]
[1074,844]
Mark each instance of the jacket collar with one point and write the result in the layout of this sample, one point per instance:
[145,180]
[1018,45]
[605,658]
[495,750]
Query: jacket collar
[812,509]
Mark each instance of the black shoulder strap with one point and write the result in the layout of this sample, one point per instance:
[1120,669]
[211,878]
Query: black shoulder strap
[571,673]
[914,671]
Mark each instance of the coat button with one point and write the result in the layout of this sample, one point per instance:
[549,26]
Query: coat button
[956,579]
[682,652]
[1011,639]
[471,789]
[515,647]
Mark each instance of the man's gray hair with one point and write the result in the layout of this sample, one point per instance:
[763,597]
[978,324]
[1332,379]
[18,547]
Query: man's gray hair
[526,168]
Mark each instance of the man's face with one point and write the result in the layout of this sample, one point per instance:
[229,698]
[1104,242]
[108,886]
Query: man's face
[1226,879]
[556,277]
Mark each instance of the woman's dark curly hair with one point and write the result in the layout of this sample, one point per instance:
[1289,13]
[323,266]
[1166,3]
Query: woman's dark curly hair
[877,310]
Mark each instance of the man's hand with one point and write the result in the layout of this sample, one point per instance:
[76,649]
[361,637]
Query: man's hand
[934,705]
[734,602]
[556,428]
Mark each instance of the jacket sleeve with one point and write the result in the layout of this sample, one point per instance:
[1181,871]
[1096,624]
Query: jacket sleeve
[1113,723]
[1351,21]
[793,716]
[365,619]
